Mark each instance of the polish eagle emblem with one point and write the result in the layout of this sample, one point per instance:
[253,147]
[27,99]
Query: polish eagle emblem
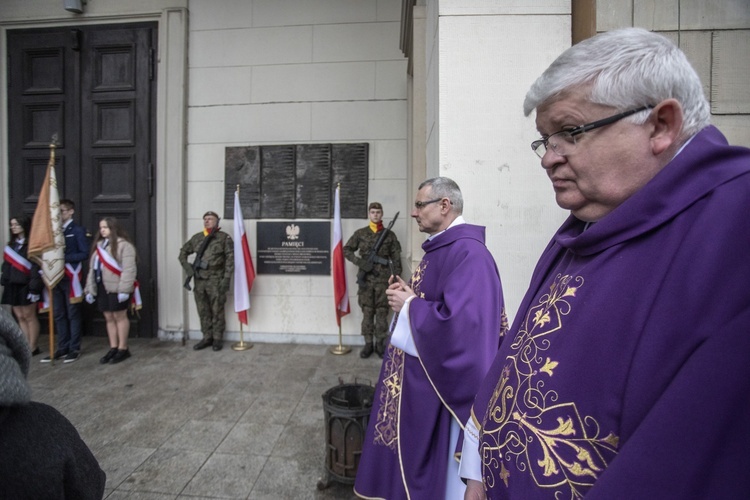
[292,232]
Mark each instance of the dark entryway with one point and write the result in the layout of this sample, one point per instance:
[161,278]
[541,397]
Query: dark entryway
[95,88]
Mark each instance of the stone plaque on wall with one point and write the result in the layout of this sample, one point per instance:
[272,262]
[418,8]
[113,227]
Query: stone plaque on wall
[294,248]
[297,181]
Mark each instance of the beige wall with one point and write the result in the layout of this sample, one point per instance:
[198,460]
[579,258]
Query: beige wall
[481,65]
[303,71]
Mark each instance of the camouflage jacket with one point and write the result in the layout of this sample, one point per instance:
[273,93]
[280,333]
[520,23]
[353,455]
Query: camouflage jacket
[362,241]
[219,255]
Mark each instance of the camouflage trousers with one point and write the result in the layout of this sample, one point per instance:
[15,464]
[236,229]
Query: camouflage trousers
[374,304]
[210,300]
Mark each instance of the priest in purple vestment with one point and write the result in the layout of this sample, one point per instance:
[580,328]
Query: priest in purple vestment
[449,326]
[626,373]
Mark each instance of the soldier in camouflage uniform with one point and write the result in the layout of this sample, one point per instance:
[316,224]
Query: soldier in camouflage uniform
[372,298]
[211,279]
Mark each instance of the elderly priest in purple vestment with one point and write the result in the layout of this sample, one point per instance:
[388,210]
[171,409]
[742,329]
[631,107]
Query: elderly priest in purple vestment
[449,326]
[626,373]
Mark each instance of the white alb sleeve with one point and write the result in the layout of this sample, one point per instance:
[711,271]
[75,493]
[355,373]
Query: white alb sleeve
[470,466]
[402,336]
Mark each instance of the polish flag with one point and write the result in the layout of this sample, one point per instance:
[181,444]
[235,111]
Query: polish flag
[244,272]
[338,270]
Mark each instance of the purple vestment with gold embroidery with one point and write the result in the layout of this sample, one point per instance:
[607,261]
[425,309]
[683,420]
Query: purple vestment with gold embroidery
[626,373]
[456,321]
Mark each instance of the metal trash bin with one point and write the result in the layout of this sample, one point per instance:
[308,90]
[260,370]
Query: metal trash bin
[346,409]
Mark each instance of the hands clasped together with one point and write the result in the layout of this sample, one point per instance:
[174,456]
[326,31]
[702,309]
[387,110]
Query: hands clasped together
[398,292]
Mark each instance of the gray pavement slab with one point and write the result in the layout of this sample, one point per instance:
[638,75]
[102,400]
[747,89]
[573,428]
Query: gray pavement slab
[174,423]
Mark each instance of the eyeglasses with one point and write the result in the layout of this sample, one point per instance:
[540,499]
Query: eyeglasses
[564,141]
[419,205]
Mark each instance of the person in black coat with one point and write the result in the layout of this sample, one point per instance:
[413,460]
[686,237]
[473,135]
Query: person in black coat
[22,285]
[41,453]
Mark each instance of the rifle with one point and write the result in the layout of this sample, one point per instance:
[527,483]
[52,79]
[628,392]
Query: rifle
[199,263]
[373,255]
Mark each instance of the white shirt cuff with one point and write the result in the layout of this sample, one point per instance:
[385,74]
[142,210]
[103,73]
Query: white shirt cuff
[470,466]
[402,336]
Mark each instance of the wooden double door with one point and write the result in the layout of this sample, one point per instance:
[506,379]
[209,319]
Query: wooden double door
[94,89]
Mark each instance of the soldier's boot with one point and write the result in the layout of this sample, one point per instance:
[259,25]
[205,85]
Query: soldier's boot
[205,342]
[380,347]
[367,350]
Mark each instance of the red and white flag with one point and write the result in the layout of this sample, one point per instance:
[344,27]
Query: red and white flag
[338,269]
[244,272]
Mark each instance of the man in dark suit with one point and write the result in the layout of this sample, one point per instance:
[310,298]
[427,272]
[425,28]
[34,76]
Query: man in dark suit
[67,305]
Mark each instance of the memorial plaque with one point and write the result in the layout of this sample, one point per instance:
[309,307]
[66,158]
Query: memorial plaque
[294,248]
[349,165]
[277,191]
[313,180]
[242,169]
[297,181]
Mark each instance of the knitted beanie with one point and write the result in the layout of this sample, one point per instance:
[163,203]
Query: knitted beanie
[14,362]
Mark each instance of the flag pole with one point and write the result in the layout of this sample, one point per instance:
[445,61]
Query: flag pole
[51,311]
[340,349]
[336,255]
[51,325]
[241,345]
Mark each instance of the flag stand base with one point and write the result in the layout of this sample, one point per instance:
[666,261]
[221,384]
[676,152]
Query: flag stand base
[242,346]
[340,349]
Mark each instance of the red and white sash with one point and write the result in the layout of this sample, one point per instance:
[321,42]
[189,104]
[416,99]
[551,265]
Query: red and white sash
[135,301]
[16,260]
[43,304]
[107,260]
[74,275]
[76,292]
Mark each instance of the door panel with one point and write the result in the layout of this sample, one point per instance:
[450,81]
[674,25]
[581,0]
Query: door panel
[40,100]
[94,87]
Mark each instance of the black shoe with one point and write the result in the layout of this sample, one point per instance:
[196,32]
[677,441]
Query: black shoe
[203,344]
[218,344]
[110,354]
[380,348]
[72,357]
[58,355]
[366,351]
[120,355]
[36,351]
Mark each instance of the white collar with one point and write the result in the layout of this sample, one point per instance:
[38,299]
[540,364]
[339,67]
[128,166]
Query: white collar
[456,222]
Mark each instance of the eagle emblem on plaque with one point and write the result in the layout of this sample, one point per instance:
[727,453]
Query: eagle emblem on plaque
[292,232]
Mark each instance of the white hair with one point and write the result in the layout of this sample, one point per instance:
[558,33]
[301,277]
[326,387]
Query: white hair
[626,68]
[443,187]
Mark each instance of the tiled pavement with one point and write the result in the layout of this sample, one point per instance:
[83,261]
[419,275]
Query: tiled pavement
[174,423]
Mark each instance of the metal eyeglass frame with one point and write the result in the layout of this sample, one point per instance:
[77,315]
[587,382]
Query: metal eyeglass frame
[541,146]
[419,205]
